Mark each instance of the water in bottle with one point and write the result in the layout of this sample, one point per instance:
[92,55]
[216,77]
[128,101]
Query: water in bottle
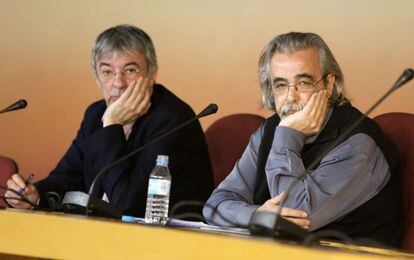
[158,197]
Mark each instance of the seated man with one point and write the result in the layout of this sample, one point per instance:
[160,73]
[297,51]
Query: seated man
[134,111]
[353,189]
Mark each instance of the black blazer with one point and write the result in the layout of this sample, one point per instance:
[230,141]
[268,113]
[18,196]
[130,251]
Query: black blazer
[126,184]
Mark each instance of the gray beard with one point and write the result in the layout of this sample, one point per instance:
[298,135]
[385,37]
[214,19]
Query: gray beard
[286,108]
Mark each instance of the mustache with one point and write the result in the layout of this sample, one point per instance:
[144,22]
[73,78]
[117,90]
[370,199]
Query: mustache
[284,111]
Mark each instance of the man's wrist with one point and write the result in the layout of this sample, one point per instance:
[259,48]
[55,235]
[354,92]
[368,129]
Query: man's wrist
[108,121]
[289,138]
[36,204]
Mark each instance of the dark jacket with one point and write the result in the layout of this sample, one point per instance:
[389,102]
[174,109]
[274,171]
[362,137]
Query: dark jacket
[126,184]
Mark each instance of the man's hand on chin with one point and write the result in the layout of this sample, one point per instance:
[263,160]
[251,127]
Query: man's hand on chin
[133,103]
[310,120]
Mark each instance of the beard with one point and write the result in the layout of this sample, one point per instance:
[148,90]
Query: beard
[289,109]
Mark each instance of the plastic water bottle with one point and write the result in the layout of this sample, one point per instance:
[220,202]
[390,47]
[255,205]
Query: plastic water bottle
[158,197]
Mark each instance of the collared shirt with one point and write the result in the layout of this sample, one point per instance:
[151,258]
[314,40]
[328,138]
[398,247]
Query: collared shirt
[348,176]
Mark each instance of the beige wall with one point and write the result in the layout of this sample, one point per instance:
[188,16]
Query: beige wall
[207,50]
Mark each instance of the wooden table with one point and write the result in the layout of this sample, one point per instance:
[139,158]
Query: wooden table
[53,235]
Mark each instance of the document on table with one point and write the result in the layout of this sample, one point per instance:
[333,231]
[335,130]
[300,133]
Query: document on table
[198,225]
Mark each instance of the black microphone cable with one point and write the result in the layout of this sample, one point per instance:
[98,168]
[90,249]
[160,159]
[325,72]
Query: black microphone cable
[54,200]
[187,215]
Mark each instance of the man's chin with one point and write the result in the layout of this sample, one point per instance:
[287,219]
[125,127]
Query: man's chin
[111,100]
[288,113]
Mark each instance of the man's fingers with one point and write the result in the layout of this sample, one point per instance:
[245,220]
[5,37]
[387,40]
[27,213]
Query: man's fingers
[12,185]
[320,103]
[135,89]
[276,200]
[143,92]
[289,212]
[321,109]
[126,95]
[309,106]
[17,203]
[316,108]
[17,179]
[324,109]
[141,102]
[30,193]
[11,194]
[134,102]
[13,199]
[16,183]
[302,222]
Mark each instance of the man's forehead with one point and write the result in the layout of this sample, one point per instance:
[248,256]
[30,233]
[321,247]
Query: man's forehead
[306,55]
[122,58]
[298,62]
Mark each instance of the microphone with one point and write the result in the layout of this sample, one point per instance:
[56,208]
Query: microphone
[404,78]
[15,106]
[210,109]
[268,224]
[81,203]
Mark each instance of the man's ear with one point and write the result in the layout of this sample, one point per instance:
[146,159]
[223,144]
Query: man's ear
[153,77]
[330,84]
[97,82]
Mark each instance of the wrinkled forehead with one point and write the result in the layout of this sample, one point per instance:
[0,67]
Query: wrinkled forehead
[302,61]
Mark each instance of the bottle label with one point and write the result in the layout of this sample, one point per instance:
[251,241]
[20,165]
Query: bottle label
[159,187]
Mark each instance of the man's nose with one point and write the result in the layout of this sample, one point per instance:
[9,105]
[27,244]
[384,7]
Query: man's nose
[120,80]
[292,94]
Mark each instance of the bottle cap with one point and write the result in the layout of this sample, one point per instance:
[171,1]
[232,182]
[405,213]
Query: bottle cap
[128,218]
[162,159]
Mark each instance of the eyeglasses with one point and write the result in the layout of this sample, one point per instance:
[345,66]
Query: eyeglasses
[128,73]
[302,86]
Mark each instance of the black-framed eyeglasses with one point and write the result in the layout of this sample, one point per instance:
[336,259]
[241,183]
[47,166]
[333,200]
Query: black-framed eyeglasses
[302,86]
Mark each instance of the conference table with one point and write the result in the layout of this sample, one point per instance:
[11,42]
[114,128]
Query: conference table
[27,234]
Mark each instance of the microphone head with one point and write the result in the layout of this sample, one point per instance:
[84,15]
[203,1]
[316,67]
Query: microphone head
[210,109]
[15,106]
[404,78]
[22,103]
[410,73]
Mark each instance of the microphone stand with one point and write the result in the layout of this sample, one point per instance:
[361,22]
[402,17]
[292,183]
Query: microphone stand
[268,224]
[88,204]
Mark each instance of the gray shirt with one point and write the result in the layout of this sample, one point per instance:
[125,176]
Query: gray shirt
[348,176]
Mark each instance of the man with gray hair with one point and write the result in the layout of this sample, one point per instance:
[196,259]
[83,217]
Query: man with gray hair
[353,189]
[134,110]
